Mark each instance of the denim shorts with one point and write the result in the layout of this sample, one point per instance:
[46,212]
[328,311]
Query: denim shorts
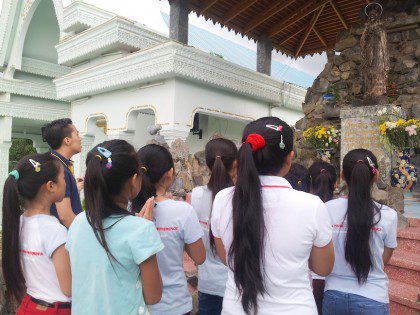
[209,304]
[341,303]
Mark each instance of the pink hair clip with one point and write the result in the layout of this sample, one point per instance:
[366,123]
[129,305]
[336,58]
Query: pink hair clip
[372,165]
[278,128]
[274,127]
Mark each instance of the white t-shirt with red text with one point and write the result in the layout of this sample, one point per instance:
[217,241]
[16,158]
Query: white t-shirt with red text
[295,221]
[40,235]
[212,274]
[384,233]
[177,224]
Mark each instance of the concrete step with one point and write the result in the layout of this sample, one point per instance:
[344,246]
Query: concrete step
[399,309]
[404,267]
[414,222]
[409,239]
[404,296]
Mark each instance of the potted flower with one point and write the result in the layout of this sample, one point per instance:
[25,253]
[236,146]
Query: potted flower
[325,139]
[401,136]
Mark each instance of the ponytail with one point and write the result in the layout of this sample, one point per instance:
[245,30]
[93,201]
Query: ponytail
[98,202]
[246,253]
[361,211]
[324,177]
[21,186]
[266,144]
[11,265]
[156,160]
[221,155]
[147,190]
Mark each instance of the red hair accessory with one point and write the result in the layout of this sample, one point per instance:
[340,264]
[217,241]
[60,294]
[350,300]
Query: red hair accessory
[323,170]
[256,141]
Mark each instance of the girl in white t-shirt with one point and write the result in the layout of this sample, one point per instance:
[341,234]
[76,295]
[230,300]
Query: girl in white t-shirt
[36,266]
[364,235]
[178,226]
[268,233]
[221,155]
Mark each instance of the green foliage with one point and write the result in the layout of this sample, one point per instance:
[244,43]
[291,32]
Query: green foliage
[216,54]
[19,148]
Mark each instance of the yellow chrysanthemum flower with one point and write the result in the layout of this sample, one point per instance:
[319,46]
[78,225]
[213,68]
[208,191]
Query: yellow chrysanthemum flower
[382,128]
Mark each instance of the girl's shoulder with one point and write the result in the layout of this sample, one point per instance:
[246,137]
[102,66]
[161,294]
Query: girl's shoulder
[337,202]
[387,213]
[173,208]
[132,221]
[225,194]
[302,200]
[46,223]
[199,190]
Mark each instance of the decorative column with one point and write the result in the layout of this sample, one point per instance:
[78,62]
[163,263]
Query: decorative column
[40,146]
[5,144]
[87,145]
[264,49]
[178,25]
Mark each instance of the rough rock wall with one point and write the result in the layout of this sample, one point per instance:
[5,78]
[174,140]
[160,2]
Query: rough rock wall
[402,19]
[342,76]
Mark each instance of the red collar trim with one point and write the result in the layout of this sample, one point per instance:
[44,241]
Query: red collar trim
[274,186]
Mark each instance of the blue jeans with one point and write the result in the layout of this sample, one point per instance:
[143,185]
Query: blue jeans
[341,303]
[209,304]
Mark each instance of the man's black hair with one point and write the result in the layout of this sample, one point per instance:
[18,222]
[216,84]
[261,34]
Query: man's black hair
[54,132]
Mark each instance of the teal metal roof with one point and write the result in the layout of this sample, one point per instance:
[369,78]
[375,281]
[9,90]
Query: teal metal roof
[243,56]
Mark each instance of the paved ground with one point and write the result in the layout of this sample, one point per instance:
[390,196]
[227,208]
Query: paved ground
[412,199]
[412,204]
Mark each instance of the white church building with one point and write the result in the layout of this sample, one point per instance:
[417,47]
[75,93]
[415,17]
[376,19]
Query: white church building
[114,78]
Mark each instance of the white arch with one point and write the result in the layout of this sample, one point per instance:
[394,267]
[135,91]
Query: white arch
[132,114]
[90,123]
[218,113]
[27,12]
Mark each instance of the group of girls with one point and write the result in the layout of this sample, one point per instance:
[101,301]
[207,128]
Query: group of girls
[254,234]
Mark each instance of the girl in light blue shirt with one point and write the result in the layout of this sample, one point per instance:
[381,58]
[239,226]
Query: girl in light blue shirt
[221,155]
[112,252]
[178,226]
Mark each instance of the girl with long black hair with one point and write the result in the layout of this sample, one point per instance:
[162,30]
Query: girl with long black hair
[178,226]
[323,183]
[36,266]
[324,180]
[267,233]
[221,155]
[364,235]
[112,252]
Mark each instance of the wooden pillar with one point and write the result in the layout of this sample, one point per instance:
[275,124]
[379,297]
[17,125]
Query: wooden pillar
[178,25]
[264,49]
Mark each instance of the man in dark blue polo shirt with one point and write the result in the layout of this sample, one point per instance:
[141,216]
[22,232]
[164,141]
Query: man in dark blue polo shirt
[64,141]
